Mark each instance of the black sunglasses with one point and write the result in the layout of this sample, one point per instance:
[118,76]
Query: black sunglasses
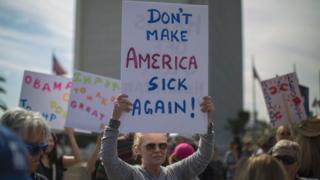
[153,146]
[286,160]
[35,149]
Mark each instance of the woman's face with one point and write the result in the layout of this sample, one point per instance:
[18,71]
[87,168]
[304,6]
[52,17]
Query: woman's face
[50,144]
[34,138]
[153,149]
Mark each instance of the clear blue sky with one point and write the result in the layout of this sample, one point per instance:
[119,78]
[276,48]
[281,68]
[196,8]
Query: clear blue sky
[277,33]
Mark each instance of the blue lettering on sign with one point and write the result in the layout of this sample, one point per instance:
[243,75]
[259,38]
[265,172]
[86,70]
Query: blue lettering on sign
[165,34]
[24,104]
[180,17]
[167,84]
[49,116]
[147,107]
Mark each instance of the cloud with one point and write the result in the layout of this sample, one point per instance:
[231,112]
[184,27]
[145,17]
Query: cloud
[14,67]
[56,16]
[31,30]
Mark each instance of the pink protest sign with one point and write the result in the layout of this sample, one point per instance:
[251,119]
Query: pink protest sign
[283,99]
[47,94]
[90,103]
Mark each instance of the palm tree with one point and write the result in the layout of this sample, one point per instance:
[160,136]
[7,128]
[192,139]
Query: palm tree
[3,105]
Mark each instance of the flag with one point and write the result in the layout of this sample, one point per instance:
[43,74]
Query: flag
[57,67]
[255,73]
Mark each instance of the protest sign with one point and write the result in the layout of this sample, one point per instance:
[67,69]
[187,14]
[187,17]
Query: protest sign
[283,99]
[90,103]
[164,66]
[47,94]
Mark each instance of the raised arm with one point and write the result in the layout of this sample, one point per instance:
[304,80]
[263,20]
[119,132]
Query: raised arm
[115,168]
[94,156]
[197,162]
[75,157]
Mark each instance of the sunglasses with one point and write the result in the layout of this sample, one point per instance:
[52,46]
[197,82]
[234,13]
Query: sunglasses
[286,160]
[153,146]
[35,149]
[285,133]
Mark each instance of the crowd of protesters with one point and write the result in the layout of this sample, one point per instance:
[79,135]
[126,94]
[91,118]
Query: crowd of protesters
[28,150]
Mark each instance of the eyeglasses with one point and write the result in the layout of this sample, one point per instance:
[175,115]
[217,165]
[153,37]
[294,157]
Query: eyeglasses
[153,146]
[286,160]
[35,149]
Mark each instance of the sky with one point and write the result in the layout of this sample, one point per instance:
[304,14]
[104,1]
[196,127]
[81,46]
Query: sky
[30,31]
[277,35]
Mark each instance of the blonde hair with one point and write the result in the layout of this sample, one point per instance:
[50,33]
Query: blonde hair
[137,141]
[262,167]
[310,153]
[24,122]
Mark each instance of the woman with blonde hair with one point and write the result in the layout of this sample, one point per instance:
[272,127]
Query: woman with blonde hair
[152,148]
[262,167]
[309,141]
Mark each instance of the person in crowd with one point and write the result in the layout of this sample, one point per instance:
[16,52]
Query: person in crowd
[215,170]
[231,158]
[289,153]
[247,147]
[34,132]
[152,147]
[53,166]
[260,167]
[13,156]
[184,138]
[94,165]
[283,132]
[309,140]
[265,143]
[181,151]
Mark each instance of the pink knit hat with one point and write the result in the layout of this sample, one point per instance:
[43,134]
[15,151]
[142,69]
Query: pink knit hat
[183,150]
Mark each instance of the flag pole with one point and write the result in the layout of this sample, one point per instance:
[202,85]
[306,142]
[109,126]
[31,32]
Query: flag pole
[254,108]
[318,104]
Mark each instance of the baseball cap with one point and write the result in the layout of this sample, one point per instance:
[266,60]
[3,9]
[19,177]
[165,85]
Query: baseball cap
[13,156]
[287,151]
[183,150]
[310,127]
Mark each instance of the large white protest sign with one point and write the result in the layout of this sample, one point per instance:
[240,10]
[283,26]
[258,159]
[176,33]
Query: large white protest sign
[283,99]
[90,103]
[164,66]
[47,94]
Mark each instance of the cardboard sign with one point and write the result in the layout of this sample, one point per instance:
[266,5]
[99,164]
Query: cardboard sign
[90,103]
[47,94]
[164,66]
[283,99]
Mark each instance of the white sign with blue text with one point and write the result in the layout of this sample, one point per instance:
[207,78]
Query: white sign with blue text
[164,66]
